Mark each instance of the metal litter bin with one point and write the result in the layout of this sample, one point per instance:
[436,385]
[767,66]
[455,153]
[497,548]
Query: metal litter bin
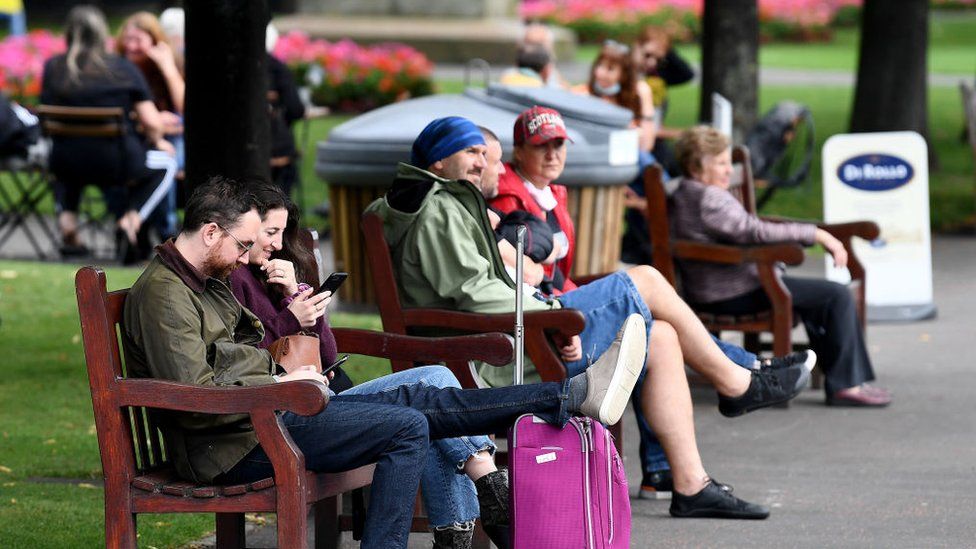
[359,162]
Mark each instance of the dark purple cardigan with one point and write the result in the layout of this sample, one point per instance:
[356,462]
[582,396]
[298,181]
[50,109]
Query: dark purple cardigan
[279,321]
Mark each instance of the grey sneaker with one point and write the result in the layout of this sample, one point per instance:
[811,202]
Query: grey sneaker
[610,380]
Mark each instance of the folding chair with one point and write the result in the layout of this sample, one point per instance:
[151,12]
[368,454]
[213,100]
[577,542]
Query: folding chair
[19,207]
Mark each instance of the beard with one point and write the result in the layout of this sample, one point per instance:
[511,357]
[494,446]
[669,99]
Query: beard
[218,268]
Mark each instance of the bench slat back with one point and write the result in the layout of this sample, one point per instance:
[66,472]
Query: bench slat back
[128,437]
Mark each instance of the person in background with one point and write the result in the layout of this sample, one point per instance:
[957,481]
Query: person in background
[704,211]
[142,41]
[280,286]
[539,34]
[662,68]
[285,108]
[533,67]
[173,23]
[134,178]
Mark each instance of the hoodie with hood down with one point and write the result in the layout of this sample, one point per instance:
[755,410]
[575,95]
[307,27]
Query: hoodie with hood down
[445,254]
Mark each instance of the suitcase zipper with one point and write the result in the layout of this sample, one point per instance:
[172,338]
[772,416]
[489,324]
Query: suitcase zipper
[588,451]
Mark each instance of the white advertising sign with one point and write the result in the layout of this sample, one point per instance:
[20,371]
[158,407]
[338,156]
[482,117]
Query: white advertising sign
[884,177]
[722,114]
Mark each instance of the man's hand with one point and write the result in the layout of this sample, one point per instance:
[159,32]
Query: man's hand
[308,308]
[633,201]
[281,271]
[304,372]
[572,350]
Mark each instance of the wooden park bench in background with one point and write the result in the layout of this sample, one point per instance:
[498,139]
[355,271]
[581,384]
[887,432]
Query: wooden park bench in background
[139,477]
[779,320]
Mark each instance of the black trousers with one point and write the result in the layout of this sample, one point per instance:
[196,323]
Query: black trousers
[830,318]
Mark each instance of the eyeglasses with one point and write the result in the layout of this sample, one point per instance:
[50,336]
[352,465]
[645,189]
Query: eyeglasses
[242,246]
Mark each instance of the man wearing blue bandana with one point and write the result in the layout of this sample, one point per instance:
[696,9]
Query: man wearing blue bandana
[445,256]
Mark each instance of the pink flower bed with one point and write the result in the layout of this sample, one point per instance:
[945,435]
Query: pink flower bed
[346,76]
[22,62]
[781,19]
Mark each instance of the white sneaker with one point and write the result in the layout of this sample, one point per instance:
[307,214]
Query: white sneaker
[611,379]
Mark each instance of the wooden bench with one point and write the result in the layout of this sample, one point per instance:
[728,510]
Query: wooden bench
[139,478]
[779,320]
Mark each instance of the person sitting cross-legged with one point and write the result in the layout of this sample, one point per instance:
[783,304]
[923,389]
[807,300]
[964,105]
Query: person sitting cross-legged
[181,322]
[446,256]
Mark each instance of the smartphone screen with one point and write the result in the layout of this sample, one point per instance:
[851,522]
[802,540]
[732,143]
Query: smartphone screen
[332,283]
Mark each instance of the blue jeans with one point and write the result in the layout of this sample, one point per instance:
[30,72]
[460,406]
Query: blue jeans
[605,303]
[391,429]
[449,496]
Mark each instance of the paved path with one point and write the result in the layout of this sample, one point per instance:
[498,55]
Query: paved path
[900,477]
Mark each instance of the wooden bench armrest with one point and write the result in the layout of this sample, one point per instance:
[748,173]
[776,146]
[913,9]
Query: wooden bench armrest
[493,348]
[790,254]
[569,322]
[303,397]
[868,230]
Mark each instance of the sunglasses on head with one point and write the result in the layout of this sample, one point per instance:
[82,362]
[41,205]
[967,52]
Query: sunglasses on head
[617,46]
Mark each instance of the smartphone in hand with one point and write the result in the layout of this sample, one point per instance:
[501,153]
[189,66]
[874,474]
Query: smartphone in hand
[332,366]
[332,283]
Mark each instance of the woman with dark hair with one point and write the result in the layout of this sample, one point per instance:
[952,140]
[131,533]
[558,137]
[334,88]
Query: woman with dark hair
[613,78]
[134,176]
[278,286]
[704,211]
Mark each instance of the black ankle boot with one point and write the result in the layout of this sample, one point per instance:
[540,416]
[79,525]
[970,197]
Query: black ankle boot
[493,500]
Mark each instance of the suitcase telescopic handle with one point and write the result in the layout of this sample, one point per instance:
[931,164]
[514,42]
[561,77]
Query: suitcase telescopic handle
[519,296]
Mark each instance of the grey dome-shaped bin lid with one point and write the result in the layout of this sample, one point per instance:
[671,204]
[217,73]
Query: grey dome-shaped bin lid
[365,150]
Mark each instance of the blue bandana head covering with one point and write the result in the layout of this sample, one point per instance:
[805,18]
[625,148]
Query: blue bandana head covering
[442,138]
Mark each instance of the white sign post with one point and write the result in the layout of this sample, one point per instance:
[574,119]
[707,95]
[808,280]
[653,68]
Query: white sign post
[884,177]
[722,114]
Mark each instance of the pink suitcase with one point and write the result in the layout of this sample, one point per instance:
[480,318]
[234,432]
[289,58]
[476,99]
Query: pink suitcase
[568,487]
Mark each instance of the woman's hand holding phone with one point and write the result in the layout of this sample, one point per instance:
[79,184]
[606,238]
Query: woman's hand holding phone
[308,308]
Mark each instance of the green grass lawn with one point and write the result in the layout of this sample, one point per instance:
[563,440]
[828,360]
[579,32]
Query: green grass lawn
[952,48]
[47,431]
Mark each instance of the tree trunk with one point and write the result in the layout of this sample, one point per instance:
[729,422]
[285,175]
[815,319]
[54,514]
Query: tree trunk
[892,74]
[730,61]
[227,125]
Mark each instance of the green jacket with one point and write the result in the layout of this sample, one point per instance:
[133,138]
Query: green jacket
[182,326]
[445,253]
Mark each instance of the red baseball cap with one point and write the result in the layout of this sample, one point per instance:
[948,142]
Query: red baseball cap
[539,125]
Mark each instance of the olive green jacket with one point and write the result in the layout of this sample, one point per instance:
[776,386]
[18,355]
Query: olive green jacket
[445,254]
[182,326]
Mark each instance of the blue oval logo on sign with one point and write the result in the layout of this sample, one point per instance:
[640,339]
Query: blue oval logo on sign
[875,172]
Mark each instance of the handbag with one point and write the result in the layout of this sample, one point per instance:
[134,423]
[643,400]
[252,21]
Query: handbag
[293,351]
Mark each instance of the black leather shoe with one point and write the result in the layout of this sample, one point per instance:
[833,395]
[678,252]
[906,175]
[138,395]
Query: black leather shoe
[714,502]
